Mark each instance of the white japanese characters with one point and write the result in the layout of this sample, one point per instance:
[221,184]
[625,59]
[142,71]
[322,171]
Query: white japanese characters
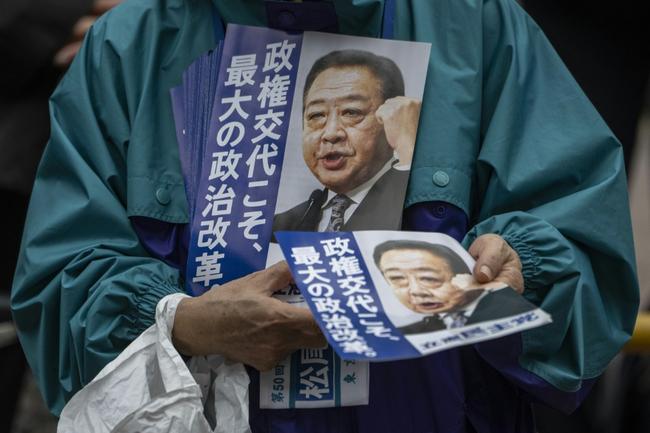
[249,132]
[338,289]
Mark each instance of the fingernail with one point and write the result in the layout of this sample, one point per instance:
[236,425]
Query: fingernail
[486,271]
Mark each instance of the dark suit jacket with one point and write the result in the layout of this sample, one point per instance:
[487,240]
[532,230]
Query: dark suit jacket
[381,209]
[494,305]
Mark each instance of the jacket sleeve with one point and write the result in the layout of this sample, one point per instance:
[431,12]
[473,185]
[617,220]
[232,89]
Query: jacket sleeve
[551,182]
[84,287]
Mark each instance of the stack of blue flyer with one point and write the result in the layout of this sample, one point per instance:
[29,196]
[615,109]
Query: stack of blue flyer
[306,139]
[192,103]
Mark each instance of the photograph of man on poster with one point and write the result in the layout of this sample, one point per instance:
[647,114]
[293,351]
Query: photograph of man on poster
[358,136]
[433,280]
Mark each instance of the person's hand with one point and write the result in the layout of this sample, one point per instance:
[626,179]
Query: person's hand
[400,116]
[496,261]
[64,56]
[241,321]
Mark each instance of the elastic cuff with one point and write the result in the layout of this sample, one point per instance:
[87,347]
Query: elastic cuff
[145,306]
[530,261]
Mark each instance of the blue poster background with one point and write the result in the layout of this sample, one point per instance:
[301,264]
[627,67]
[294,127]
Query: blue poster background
[235,255]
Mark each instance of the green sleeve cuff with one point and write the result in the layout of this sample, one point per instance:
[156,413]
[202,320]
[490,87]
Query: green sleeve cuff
[144,311]
[545,254]
[530,260]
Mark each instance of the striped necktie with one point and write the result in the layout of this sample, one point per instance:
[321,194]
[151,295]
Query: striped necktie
[457,319]
[340,203]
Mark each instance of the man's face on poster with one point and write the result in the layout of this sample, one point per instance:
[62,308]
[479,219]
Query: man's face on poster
[344,144]
[422,281]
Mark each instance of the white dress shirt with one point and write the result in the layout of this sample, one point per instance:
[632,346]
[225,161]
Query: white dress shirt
[356,195]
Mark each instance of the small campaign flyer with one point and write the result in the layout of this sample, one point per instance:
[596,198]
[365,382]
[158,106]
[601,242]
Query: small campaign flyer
[388,295]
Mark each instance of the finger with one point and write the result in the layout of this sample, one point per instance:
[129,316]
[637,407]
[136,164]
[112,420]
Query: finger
[314,341]
[311,337]
[272,279]
[308,332]
[81,27]
[264,365]
[476,247]
[490,256]
[65,55]
[298,316]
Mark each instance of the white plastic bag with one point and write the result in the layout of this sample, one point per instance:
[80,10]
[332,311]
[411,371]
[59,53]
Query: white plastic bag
[148,388]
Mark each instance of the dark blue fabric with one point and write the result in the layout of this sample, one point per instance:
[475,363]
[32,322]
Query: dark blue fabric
[437,216]
[503,354]
[388,19]
[165,241]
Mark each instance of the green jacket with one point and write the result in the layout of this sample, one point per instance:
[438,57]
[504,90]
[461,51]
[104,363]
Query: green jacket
[525,153]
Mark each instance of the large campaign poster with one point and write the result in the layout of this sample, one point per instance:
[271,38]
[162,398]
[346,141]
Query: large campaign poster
[307,132]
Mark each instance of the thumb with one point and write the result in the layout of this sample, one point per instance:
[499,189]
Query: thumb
[489,254]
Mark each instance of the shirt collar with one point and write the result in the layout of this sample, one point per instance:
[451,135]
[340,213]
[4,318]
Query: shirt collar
[468,310]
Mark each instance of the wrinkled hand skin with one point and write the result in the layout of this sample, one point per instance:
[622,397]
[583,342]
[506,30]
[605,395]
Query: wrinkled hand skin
[496,261]
[400,116]
[241,321]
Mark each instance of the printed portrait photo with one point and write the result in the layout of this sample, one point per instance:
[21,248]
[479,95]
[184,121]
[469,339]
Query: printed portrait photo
[351,135]
[427,287]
